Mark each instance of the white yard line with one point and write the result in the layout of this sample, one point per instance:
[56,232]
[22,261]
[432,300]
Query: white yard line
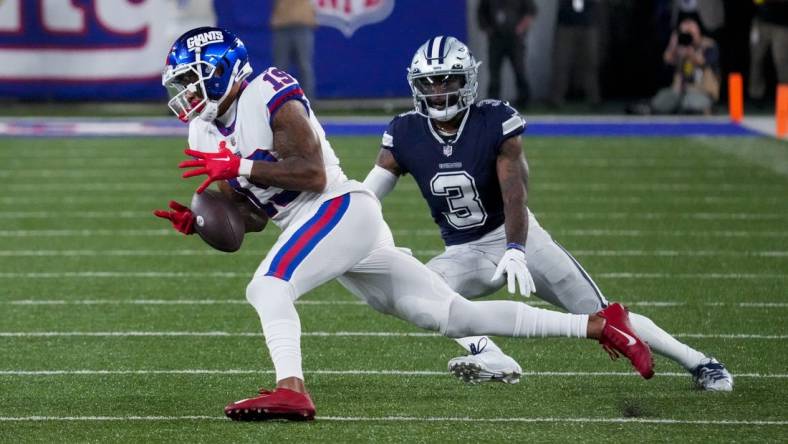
[543,186]
[548,374]
[235,274]
[322,334]
[419,232]
[434,252]
[670,233]
[48,214]
[725,200]
[241,301]
[556,420]
[89,233]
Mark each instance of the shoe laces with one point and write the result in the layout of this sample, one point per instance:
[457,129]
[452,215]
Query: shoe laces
[479,347]
[713,371]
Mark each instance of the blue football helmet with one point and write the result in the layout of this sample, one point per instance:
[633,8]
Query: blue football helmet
[201,69]
[443,78]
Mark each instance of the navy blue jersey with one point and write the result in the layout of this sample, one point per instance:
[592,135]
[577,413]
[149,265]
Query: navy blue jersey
[457,176]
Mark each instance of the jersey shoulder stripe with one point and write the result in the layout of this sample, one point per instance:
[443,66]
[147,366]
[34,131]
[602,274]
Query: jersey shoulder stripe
[388,140]
[292,92]
[512,124]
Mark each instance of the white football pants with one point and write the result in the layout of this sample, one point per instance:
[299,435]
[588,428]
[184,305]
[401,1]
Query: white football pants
[559,279]
[346,238]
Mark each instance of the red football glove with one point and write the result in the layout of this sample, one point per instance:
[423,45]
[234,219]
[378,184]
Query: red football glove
[181,217]
[217,166]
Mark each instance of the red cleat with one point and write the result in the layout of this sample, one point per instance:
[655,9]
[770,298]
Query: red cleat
[281,403]
[618,336]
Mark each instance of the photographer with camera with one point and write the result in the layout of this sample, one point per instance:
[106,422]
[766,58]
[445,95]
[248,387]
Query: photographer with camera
[696,84]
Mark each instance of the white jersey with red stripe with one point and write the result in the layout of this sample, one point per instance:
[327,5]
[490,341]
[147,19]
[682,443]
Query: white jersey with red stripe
[250,136]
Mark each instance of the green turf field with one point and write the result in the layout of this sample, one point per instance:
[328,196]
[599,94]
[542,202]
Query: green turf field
[115,328]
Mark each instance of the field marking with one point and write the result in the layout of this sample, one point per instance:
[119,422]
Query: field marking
[241,301]
[549,169]
[235,274]
[670,233]
[89,233]
[465,419]
[428,252]
[637,215]
[320,334]
[416,232]
[114,185]
[561,198]
[197,372]
[745,216]
[542,186]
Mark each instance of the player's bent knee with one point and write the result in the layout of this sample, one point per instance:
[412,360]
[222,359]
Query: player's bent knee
[427,313]
[262,287]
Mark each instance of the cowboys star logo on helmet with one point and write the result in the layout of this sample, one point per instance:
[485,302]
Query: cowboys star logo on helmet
[443,78]
[201,69]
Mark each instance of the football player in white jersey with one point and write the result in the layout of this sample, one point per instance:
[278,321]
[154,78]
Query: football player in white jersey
[468,161]
[261,142]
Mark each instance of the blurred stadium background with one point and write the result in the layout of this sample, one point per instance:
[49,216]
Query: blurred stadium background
[115,328]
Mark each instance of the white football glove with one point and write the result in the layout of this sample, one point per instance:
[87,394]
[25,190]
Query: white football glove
[516,268]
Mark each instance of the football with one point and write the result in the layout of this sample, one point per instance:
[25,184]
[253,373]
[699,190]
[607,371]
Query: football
[218,221]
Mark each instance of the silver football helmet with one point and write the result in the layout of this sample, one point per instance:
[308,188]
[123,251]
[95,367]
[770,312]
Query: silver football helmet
[443,78]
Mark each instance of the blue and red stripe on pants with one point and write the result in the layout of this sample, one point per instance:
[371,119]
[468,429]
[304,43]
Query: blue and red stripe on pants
[303,241]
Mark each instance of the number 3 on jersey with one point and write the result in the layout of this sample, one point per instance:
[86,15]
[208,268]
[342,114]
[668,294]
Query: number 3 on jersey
[459,189]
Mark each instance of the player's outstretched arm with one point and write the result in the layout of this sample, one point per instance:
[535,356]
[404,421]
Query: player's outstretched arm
[384,175]
[301,166]
[513,179]
[254,219]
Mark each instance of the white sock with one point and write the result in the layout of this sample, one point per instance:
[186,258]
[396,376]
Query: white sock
[509,318]
[536,322]
[478,344]
[284,344]
[663,343]
[273,300]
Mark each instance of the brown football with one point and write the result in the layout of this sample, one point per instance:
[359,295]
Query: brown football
[218,221]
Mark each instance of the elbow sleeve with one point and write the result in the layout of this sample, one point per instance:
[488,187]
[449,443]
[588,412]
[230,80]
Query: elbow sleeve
[381,181]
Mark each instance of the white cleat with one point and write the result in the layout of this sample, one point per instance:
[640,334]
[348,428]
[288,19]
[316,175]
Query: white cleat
[711,375]
[486,367]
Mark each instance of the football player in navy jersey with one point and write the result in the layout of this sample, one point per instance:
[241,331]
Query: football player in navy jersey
[468,162]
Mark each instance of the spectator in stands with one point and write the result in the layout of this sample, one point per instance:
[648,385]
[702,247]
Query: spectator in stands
[576,50]
[769,34]
[696,85]
[506,23]
[293,23]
